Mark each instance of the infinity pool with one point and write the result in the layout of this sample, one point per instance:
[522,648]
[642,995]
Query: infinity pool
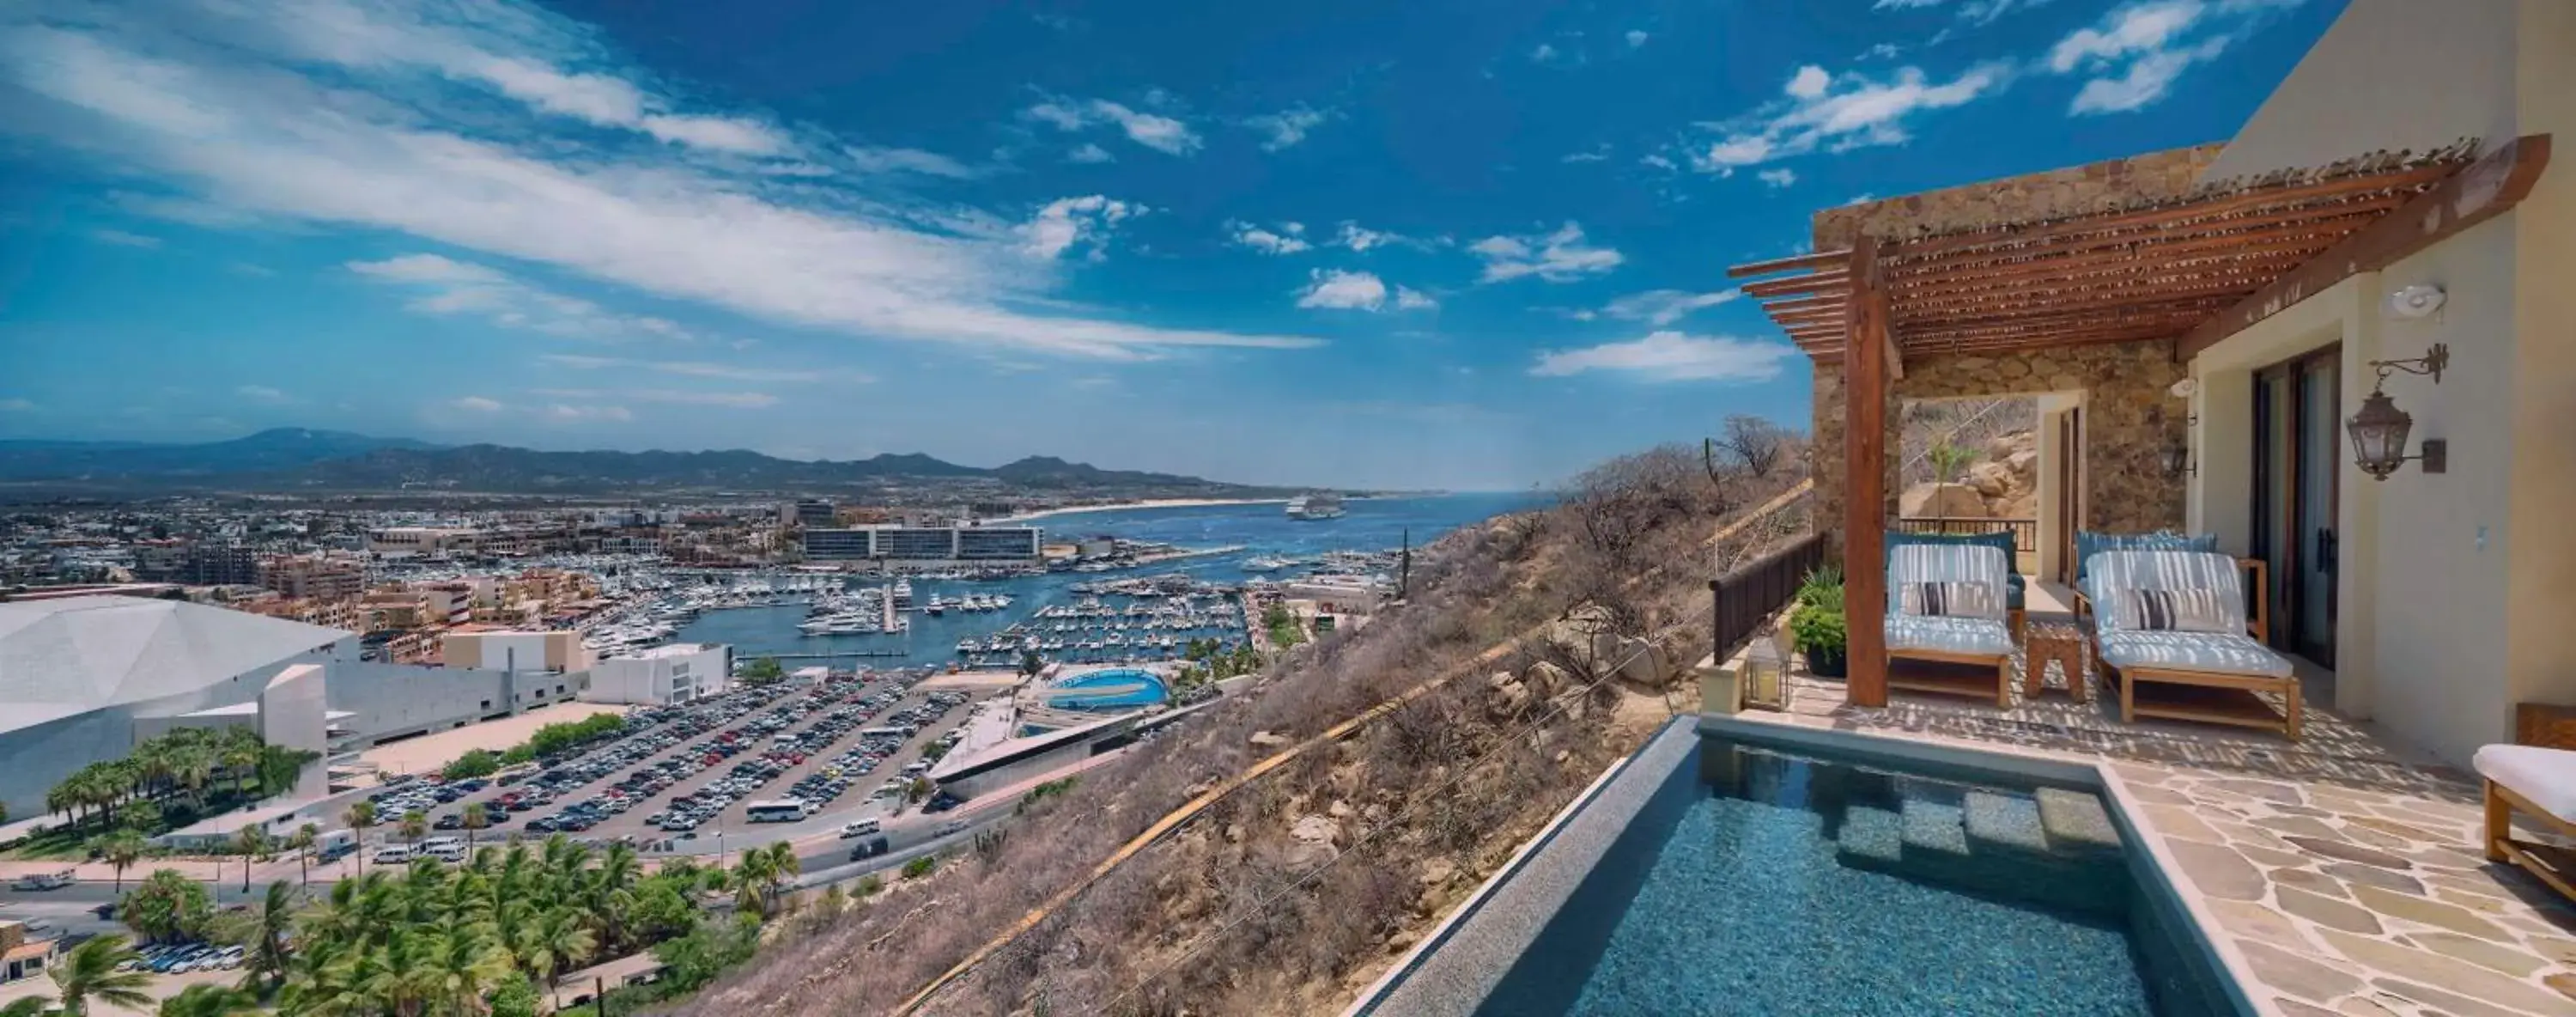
[1750,880]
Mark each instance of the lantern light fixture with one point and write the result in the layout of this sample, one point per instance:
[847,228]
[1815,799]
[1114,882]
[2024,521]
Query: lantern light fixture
[2380,429]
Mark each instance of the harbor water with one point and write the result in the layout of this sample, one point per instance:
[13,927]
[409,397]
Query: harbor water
[1254,531]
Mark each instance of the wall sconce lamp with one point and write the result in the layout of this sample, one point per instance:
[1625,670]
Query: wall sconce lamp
[2177,459]
[2379,430]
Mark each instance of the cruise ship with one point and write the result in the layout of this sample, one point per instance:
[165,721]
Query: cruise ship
[1315,506]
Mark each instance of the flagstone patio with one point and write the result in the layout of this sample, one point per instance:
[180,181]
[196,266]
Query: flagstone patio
[2341,875]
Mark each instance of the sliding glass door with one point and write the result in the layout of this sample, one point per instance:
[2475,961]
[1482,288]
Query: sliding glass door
[2298,454]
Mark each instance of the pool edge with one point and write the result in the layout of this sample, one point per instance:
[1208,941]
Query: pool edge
[2201,925]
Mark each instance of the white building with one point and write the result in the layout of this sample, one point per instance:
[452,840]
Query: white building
[676,673]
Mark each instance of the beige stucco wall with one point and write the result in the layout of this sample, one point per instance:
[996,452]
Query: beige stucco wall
[2452,591]
[2389,75]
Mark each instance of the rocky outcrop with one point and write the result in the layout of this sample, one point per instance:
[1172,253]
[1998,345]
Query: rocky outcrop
[1940,501]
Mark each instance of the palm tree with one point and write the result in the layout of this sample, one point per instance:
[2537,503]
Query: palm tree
[464,962]
[302,842]
[120,850]
[28,1006]
[476,816]
[553,944]
[252,842]
[271,952]
[414,826]
[360,816]
[89,972]
[761,873]
[211,1001]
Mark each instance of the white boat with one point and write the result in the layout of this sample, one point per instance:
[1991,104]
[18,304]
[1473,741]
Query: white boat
[1322,505]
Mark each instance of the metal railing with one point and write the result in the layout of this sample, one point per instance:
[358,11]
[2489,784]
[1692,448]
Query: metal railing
[2025,531]
[1742,599]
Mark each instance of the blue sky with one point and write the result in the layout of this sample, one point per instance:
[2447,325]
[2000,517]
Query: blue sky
[1473,244]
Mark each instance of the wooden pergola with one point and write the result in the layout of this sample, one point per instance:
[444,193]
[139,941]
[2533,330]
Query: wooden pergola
[2193,269]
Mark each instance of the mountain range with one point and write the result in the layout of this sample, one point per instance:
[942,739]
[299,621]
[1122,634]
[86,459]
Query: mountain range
[302,459]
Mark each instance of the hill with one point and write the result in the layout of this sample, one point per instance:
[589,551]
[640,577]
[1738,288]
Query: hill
[1534,651]
[299,459]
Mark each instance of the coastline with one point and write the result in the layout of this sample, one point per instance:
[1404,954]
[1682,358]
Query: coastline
[1151,503]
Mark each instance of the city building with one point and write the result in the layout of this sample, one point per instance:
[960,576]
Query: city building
[221,565]
[313,576]
[676,673]
[839,544]
[556,651]
[404,541]
[928,546]
[810,512]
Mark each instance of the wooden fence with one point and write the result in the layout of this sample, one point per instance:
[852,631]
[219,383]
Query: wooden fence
[1744,598]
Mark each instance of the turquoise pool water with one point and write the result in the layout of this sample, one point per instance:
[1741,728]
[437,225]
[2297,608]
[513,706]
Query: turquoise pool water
[1754,881]
[1109,689]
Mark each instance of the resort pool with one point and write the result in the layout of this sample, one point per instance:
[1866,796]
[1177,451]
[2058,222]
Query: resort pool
[1114,688]
[1751,880]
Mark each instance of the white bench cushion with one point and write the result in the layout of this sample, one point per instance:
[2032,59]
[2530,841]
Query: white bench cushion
[1974,636]
[2208,652]
[2544,777]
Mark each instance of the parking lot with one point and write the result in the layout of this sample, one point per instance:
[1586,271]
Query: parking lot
[682,778]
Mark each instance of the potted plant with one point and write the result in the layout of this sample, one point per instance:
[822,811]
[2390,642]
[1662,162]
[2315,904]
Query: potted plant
[1817,625]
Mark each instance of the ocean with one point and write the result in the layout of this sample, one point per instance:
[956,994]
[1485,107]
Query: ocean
[1369,524]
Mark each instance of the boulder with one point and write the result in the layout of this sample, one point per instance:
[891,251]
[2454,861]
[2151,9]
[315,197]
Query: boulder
[1545,677]
[1505,701]
[1268,740]
[1316,838]
[1935,501]
[1992,480]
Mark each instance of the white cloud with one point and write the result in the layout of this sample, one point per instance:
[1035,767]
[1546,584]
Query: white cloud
[1839,112]
[1361,238]
[261,394]
[1090,153]
[1287,127]
[476,404]
[1600,154]
[1285,240]
[2136,53]
[314,113]
[1973,12]
[1543,53]
[1636,38]
[1780,177]
[699,369]
[736,400]
[1409,299]
[743,137]
[1663,307]
[16,404]
[576,414]
[1672,356]
[1351,291]
[450,287]
[2140,28]
[1152,130]
[122,238]
[1066,222]
[1561,256]
[909,160]
[1657,161]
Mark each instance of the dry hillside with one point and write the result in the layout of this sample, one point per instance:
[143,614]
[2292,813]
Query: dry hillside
[1567,632]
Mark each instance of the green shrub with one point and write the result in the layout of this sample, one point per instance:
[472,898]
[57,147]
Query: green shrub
[1817,629]
[919,867]
[474,763]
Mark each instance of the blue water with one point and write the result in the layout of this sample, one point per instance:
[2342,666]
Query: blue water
[1371,524]
[1757,883]
[1119,688]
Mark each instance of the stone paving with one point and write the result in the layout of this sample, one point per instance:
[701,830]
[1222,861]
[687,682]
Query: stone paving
[2339,876]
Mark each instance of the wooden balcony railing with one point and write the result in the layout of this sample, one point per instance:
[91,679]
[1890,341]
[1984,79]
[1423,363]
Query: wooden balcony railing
[1743,598]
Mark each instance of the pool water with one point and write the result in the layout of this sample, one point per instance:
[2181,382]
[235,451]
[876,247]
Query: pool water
[1757,881]
[1108,689]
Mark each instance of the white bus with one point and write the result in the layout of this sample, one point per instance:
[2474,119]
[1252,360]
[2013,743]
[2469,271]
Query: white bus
[785,810]
[886,732]
[445,849]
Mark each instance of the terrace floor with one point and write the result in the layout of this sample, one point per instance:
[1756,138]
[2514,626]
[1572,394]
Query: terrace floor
[2341,875]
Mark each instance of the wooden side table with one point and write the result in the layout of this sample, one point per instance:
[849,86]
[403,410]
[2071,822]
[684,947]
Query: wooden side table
[2059,641]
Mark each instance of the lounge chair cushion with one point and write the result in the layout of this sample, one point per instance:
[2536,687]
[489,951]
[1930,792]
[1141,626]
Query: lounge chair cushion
[1983,637]
[2114,572]
[2089,543]
[2544,777]
[2209,652]
[2001,540]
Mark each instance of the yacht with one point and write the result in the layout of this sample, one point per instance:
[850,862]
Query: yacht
[1323,505]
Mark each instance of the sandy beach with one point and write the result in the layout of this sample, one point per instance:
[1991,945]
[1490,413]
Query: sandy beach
[1149,504]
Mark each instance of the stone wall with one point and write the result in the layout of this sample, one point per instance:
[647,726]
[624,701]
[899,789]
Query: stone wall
[2130,420]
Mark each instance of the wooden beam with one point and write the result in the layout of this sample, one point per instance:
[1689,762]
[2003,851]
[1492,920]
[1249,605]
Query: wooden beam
[2176,214]
[2206,255]
[2034,299]
[1820,259]
[1865,394]
[1814,282]
[1833,301]
[2340,218]
[2486,189]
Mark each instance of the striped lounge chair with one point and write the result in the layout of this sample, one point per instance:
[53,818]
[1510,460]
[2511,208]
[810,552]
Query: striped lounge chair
[1976,635]
[2228,656]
